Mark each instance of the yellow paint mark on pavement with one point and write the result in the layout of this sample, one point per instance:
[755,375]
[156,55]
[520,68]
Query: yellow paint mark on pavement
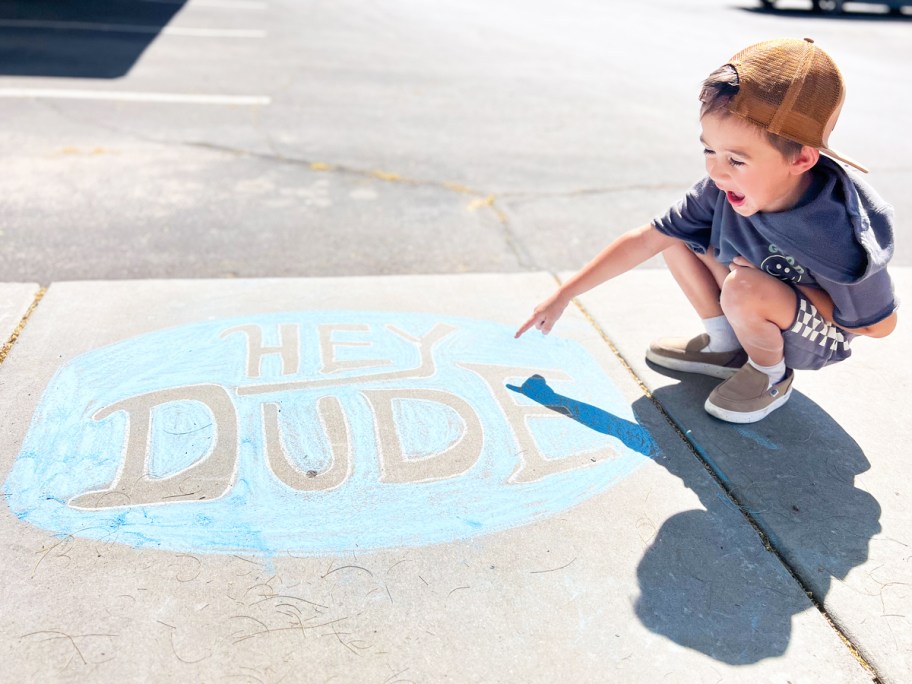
[459,187]
[386,175]
[481,202]
[73,150]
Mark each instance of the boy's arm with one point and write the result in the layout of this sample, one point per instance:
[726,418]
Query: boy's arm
[824,304]
[629,250]
[879,329]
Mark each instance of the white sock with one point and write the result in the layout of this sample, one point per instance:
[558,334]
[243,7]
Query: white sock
[722,336]
[775,372]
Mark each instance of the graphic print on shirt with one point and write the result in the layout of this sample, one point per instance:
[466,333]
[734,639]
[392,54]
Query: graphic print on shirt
[781,266]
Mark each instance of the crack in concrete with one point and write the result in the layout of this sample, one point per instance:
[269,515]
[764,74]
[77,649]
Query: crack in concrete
[482,199]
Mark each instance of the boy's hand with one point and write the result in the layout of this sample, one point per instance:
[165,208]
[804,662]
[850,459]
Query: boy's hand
[545,315]
[740,261]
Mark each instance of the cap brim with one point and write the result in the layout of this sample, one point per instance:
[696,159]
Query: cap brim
[841,157]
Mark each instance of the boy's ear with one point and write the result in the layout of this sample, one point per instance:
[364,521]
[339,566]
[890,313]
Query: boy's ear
[805,159]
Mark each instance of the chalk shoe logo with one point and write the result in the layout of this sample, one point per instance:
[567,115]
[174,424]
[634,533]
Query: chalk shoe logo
[319,432]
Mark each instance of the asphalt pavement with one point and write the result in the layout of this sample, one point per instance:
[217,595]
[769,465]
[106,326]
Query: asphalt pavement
[264,418]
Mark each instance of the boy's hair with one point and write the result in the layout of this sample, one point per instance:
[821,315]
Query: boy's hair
[718,90]
[788,87]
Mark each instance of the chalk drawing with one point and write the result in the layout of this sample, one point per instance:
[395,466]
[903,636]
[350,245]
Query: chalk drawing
[320,432]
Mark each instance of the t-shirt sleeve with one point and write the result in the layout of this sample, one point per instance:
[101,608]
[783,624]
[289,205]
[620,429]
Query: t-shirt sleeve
[863,303]
[691,218]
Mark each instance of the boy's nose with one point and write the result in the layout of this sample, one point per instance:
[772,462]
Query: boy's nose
[716,172]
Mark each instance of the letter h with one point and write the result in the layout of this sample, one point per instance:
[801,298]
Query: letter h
[288,349]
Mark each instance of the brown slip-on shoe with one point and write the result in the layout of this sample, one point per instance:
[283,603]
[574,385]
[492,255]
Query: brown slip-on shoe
[746,397]
[682,354]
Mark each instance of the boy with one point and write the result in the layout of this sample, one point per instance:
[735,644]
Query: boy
[781,251]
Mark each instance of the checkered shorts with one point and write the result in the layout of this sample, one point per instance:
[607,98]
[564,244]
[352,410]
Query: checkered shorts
[811,342]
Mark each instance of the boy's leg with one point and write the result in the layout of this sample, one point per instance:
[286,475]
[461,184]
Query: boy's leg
[700,277]
[717,352]
[760,307]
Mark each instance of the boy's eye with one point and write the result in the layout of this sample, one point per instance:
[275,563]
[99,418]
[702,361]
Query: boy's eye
[735,162]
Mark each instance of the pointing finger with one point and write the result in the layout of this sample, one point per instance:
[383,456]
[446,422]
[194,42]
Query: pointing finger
[528,324]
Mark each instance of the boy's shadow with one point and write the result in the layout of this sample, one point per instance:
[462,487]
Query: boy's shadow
[794,473]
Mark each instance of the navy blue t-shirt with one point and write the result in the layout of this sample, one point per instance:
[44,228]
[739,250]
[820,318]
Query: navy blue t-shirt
[838,238]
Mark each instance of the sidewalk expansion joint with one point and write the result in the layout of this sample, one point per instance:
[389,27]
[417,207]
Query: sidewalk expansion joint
[733,499]
[8,345]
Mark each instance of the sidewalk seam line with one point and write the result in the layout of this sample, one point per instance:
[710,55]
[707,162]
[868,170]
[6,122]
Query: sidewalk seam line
[729,493]
[8,345]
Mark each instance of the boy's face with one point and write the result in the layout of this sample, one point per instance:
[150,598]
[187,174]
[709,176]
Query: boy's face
[753,174]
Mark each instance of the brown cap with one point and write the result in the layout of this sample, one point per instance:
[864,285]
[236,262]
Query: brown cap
[792,88]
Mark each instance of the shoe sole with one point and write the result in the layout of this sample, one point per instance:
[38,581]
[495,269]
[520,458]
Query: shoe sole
[748,416]
[712,370]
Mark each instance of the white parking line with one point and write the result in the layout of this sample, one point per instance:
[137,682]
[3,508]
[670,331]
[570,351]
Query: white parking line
[128,28]
[128,96]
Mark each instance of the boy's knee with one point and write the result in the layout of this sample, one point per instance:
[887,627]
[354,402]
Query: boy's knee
[742,286]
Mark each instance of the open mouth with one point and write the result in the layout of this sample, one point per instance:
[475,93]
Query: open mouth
[735,198]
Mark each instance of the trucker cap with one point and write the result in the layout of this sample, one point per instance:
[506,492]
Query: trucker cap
[792,88]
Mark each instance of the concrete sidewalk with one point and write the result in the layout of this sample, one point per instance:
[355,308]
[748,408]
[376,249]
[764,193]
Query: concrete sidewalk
[369,480]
